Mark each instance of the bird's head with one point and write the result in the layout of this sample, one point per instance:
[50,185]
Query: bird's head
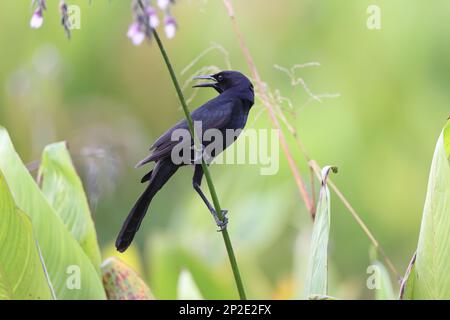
[226,80]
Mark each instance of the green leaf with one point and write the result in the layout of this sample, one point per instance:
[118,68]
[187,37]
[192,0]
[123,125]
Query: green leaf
[22,274]
[123,283]
[187,289]
[64,258]
[429,276]
[5,290]
[316,282]
[63,189]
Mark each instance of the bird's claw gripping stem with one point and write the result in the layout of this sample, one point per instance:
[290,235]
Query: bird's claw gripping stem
[222,224]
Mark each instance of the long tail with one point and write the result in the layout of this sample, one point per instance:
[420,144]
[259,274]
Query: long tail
[162,172]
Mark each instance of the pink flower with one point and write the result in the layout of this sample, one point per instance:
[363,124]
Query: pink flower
[153,19]
[37,19]
[136,34]
[170,27]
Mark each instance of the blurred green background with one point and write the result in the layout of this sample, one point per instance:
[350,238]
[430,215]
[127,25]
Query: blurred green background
[111,100]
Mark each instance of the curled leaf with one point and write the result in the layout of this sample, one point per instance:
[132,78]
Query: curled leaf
[317,274]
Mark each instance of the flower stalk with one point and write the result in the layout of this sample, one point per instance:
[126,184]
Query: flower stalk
[309,201]
[215,199]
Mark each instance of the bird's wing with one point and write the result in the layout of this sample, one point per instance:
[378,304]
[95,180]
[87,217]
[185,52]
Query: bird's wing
[166,137]
[214,115]
[211,115]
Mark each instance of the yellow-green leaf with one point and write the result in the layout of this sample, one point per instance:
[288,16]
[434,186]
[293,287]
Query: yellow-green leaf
[71,272]
[316,282]
[22,275]
[64,191]
[429,276]
[5,290]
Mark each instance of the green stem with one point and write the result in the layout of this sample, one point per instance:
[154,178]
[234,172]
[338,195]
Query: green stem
[226,237]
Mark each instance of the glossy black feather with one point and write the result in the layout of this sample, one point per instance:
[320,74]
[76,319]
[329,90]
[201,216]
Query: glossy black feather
[229,110]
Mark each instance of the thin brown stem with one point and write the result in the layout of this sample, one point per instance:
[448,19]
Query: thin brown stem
[266,102]
[309,201]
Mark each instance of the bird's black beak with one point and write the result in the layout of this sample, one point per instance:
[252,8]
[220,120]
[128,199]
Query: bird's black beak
[207,84]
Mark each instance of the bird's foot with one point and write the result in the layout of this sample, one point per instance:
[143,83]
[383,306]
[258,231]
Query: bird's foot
[222,224]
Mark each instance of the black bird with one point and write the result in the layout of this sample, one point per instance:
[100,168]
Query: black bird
[229,110]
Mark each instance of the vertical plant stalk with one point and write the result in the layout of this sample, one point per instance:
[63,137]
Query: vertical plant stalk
[300,184]
[226,236]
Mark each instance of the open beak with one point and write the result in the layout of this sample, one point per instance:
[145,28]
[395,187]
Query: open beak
[207,84]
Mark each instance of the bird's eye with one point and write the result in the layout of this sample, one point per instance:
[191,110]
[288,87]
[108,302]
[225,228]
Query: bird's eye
[219,77]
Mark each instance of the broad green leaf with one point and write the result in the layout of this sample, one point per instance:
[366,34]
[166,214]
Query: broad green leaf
[187,289]
[63,189]
[123,283]
[71,273]
[429,276]
[5,290]
[316,282]
[22,274]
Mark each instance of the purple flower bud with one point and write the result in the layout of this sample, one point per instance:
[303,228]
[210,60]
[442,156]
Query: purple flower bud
[62,6]
[37,19]
[163,4]
[170,26]
[135,34]
[153,19]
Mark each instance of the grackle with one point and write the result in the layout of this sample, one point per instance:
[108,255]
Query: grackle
[228,111]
